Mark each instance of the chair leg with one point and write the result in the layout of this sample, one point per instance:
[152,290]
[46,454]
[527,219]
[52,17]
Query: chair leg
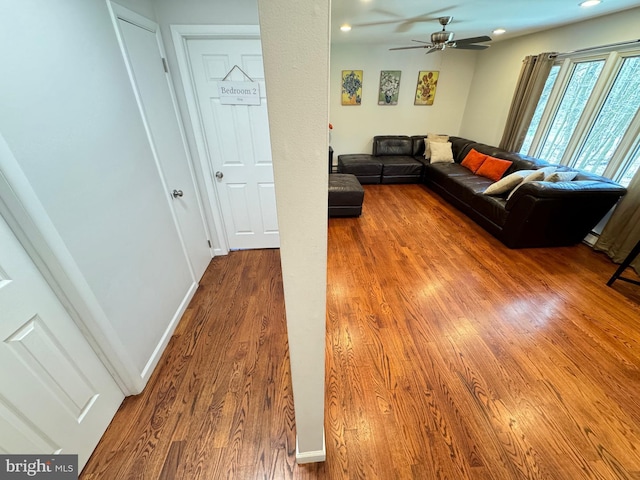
[627,261]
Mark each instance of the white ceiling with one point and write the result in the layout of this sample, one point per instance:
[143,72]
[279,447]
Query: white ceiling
[396,22]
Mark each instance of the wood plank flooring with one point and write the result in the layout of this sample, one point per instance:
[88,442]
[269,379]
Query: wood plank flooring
[448,356]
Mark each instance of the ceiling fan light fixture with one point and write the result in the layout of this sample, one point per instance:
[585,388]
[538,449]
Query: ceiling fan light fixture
[589,3]
[499,31]
[345,28]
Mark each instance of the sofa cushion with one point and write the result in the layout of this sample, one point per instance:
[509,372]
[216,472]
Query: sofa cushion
[418,145]
[493,168]
[392,145]
[359,164]
[458,146]
[561,177]
[473,160]
[400,165]
[440,152]
[536,176]
[522,162]
[366,167]
[507,183]
[433,137]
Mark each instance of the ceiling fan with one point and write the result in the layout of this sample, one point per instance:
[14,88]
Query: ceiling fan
[443,39]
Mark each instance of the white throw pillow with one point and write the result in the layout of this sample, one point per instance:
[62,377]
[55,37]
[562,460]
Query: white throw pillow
[441,152]
[561,177]
[547,170]
[433,137]
[536,176]
[506,184]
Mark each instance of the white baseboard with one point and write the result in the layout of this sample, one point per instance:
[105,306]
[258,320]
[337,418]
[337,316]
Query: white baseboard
[314,456]
[591,239]
[164,341]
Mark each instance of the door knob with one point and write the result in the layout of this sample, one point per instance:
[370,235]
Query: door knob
[177,193]
[219,175]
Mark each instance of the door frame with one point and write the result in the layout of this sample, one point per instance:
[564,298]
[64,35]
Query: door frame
[29,222]
[180,35]
[118,12]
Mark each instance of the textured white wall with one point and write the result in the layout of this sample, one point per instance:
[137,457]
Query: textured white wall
[295,44]
[498,68]
[355,126]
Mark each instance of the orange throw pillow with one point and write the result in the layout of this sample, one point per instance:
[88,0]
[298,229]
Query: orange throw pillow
[493,168]
[473,160]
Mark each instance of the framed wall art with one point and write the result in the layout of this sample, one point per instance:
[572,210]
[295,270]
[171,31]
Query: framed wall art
[389,87]
[426,88]
[351,87]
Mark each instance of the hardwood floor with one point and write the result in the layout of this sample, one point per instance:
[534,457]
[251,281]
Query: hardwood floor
[448,356]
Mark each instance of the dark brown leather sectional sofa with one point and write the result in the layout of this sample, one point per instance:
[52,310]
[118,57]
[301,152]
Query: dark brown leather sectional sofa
[538,214]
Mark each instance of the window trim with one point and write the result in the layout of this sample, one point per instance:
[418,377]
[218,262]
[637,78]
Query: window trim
[614,60]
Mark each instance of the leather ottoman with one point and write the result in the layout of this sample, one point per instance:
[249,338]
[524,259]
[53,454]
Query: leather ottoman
[366,167]
[345,195]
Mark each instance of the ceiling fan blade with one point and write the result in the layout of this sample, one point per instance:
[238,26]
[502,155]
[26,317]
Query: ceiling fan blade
[408,24]
[420,41]
[470,47]
[483,38]
[388,13]
[432,49]
[374,24]
[413,46]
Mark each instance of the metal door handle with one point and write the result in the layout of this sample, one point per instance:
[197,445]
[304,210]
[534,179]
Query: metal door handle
[177,193]
[219,175]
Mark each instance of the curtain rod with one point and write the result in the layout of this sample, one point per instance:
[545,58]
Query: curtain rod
[593,49]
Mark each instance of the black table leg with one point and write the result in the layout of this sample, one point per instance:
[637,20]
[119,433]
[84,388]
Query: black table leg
[627,261]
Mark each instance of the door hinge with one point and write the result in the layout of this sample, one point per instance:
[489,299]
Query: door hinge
[164,65]
[209,242]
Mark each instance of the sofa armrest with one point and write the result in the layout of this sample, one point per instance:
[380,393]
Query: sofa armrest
[574,189]
[545,213]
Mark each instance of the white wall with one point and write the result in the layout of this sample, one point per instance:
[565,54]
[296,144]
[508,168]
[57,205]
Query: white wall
[498,68]
[355,126]
[142,7]
[70,118]
[295,43]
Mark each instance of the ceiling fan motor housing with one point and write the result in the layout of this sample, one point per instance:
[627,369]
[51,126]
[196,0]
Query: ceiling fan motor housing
[442,37]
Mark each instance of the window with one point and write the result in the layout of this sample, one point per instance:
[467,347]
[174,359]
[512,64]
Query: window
[587,116]
[542,103]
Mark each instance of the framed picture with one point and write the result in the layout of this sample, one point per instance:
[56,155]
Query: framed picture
[351,87]
[426,89]
[389,87]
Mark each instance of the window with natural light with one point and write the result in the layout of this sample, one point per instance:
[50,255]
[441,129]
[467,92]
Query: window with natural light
[587,116]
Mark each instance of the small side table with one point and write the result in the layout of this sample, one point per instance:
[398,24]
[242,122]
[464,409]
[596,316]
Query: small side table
[331,159]
[627,261]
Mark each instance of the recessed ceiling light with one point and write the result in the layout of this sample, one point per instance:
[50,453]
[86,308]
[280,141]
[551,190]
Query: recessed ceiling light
[499,31]
[345,27]
[589,3]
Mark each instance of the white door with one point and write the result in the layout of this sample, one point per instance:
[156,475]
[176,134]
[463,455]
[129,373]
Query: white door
[142,44]
[55,394]
[237,140]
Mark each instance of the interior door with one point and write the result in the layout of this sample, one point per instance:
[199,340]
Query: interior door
[142,49]
[56,396]
[237,139]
